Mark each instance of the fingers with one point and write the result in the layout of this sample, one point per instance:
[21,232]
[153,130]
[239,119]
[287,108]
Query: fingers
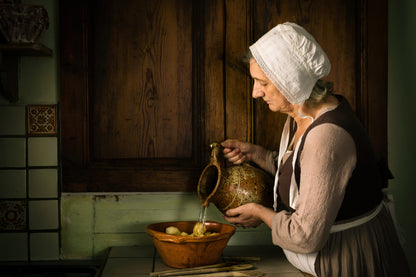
[234,155]
[232,212]
[232,151]
[234,216]
[235,220]
[232,220]
[237,151]
[231,143]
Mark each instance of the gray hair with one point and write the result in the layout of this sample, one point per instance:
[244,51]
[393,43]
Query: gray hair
[320,92]
[247,57]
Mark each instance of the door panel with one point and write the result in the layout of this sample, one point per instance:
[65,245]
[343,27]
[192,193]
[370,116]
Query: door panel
[142,80]
[146,86]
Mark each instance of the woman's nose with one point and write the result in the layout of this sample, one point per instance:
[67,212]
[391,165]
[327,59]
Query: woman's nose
[257,91]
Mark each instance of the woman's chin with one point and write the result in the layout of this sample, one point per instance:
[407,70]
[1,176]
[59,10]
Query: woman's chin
[273,108]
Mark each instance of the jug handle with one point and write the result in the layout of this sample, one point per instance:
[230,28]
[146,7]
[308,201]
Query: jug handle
[217,157]
[215,151]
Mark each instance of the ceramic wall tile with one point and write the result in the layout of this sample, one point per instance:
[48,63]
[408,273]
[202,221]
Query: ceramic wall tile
[12,215]
[13,247]
[42,151]
[43,183]
[44,246]
[12,120]
[12,152]
[42,120]
[13,183]
[43,214]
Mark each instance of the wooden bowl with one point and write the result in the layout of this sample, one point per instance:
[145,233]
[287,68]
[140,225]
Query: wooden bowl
[184,252]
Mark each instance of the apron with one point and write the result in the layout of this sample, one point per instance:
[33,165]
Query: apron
[306,262]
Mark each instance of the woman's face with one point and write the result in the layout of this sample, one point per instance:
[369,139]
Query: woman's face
[264,88]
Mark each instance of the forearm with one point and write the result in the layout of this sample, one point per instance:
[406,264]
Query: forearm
[266,215]
[264,159]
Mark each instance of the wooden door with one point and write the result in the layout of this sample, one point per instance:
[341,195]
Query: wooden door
[146,86]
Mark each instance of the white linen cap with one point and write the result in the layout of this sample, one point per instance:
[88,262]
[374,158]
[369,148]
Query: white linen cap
[292,60]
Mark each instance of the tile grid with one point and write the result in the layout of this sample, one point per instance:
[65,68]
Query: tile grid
[27,189]
[10,211]
[31,219]
[41,123]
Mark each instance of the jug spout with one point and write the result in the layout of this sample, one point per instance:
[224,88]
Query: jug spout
[210,177]
[205,202]
[208,183]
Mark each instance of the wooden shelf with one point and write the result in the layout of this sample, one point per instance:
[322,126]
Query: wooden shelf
[26,49]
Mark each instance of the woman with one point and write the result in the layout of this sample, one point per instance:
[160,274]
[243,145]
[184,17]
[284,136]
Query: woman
[328,214]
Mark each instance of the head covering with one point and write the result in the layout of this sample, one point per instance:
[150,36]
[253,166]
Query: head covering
[292,60]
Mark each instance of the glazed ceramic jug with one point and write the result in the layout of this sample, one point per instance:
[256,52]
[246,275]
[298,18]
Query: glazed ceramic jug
[230,187]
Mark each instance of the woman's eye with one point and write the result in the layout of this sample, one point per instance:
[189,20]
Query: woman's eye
[263,84]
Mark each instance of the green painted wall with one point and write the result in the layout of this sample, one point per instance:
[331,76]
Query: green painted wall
[92,223]
[401,119]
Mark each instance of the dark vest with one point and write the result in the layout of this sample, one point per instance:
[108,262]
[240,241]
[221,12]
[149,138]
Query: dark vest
[363,192]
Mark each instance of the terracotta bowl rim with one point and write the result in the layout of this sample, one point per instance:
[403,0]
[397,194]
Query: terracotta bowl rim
[162,236]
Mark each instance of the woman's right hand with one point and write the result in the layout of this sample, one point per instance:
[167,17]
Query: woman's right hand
[237,151]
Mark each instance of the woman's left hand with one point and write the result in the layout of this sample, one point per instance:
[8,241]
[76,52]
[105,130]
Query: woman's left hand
[244,216]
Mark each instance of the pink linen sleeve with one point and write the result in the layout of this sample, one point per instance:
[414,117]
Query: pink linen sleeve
[271,162]
[327,162]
